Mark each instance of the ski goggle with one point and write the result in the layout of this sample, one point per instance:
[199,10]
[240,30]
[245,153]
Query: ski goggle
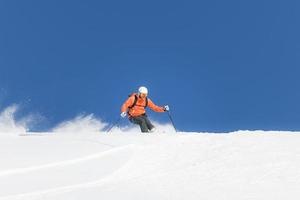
[144,94]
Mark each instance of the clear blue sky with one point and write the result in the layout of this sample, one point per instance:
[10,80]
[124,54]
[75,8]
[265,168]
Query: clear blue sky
[220,65]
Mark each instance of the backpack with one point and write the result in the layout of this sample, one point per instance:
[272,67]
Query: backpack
[136,99]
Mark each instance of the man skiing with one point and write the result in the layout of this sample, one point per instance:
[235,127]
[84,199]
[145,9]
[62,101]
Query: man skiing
[135,108]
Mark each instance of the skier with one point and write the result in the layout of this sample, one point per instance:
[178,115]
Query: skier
[135,108]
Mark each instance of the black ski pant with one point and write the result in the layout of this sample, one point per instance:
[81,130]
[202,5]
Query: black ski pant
[143,121]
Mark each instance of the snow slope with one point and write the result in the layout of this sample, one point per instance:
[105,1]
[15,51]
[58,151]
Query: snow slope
[78,166]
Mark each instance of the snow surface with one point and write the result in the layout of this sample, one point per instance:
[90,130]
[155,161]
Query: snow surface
[241,165]
[72,164]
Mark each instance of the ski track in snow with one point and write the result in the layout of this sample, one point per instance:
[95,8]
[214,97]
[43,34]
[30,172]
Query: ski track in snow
[38,194]
[90,160]
[62,163]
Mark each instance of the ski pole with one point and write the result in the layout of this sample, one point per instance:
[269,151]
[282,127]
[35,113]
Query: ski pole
[171,119]
[114,124]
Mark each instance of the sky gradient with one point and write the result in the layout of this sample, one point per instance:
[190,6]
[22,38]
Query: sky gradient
[220,65]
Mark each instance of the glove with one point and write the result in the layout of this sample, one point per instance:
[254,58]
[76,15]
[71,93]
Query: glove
[123,114]
[166,108]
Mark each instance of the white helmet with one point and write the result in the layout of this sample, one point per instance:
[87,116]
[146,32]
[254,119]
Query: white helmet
[143,90]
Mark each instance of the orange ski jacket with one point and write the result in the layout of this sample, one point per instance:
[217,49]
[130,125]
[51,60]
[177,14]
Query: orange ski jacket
[139,108]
